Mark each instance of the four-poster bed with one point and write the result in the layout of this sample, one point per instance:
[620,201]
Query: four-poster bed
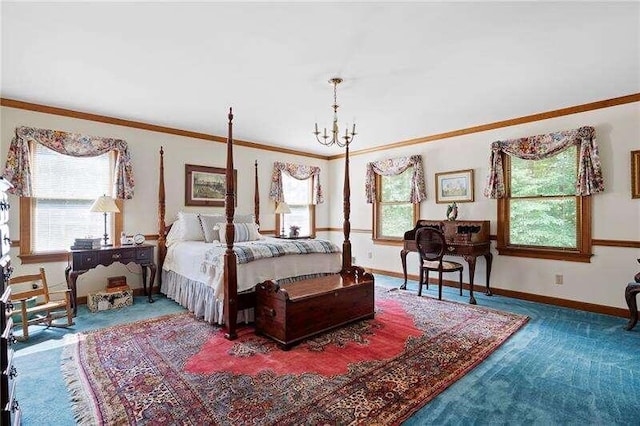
[233,291]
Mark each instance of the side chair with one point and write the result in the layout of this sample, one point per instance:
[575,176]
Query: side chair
[432,247]
[45,309]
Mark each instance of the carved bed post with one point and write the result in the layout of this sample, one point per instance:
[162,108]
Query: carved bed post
[346,226]
[162,246]
[256,199]
[230,273]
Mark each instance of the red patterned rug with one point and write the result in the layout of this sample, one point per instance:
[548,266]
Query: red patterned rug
[178,370]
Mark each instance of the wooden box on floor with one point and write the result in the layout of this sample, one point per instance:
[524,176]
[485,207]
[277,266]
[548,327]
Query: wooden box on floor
[291,312]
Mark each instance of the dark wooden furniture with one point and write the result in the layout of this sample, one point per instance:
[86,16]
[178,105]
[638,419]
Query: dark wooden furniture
[466,238]
[630,294]
[232,300]
[294,311]
[82,261]
[9,408]
[432,247]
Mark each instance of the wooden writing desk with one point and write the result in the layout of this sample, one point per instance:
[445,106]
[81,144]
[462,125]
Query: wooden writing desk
[468,246]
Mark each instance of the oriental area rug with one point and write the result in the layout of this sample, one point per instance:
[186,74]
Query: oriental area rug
[179,370]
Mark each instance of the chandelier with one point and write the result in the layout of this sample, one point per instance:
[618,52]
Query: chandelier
[334,137]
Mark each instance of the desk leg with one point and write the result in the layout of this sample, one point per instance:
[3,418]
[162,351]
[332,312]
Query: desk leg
[471,260]
[152,267]
[630,296]
[403,256]
[489,259]
[72,278]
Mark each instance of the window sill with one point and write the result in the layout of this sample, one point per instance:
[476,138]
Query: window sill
[568,256]
[388,241]
[57,256]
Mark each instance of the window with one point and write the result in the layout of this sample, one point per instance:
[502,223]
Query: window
[394,214]
[298,195]
[62,193]
[541,216]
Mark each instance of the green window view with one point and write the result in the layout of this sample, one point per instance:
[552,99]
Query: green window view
[543,204]
[394,206]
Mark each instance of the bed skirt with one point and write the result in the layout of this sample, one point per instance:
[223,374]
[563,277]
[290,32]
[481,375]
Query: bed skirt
[200,300]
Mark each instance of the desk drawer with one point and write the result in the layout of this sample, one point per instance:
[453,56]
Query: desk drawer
[144,254]
[123,256]
[85,260]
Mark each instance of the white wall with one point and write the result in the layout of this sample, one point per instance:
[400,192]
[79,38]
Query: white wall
[141,212]
[615,215]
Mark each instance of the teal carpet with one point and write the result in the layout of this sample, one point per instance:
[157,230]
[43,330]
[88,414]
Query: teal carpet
[564,367]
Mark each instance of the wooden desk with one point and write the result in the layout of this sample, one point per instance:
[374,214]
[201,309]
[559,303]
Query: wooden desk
[478,245]
[82,261]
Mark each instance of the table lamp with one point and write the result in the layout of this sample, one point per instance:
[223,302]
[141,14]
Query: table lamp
[105,204]
[282,209]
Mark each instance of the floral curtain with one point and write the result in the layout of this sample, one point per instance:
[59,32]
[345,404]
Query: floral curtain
[589,180]
[395,166]
[18,170]
[297,171]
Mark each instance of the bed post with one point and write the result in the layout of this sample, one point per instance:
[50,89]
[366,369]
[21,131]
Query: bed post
[162,245]
[346,226]
[256,199]
[230,275]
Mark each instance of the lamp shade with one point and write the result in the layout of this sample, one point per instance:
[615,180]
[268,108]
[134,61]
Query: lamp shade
[104,204]
[283,208]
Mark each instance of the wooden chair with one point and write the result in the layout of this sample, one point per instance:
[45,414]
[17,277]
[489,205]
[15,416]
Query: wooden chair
[45,310]
[432,247]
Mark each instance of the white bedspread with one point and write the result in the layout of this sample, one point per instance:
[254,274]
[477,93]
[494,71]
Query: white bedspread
[186,258]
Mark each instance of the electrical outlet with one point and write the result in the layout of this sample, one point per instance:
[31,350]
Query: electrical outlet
[370,255]
[559,279]
[353,260]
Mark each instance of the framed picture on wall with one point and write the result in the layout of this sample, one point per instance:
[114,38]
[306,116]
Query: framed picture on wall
[454,186]
[635,174]
[206,186]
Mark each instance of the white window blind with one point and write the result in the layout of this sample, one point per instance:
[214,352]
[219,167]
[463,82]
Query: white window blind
[297,194]
[64,187]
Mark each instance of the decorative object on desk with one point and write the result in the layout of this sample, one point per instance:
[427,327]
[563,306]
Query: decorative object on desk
[206,186]
[635,174]
[294,231]
[452,211]
[282,209]
[105,204]
[138,239]
[125,240]
[86,243]
[454,186]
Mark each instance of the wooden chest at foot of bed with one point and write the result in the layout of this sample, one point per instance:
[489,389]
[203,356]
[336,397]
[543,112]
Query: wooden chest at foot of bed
[294,311]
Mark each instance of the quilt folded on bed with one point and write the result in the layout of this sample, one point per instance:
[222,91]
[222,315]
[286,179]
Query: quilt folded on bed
[255,250]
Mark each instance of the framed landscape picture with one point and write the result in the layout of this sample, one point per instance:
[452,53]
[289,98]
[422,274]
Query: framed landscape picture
[206,186]
[454,186]
[635,174]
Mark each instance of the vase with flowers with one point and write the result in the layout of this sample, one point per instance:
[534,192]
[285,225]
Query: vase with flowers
[294,231]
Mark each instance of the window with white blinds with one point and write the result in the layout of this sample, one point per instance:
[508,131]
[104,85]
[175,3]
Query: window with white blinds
[64,187]
[297,194]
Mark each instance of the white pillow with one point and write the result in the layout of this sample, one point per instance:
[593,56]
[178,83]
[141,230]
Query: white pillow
[242,232]
[211,224]
[175,233]
[190,226]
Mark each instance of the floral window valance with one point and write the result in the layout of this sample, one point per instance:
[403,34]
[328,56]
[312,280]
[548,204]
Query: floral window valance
[395,166]
[18,170]
[589,179]
[297,171]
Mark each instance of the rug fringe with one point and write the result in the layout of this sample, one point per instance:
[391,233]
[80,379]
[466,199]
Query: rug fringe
[84,411]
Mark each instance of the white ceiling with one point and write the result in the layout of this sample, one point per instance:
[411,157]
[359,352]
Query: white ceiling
[410,69]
